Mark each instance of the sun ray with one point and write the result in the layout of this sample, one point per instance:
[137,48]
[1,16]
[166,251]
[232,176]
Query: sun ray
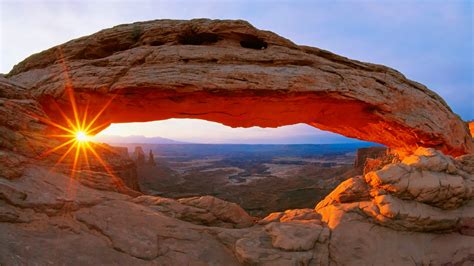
[78,134]
[71,193]
[106,147]
[54,124]
[64,155]
[57,147]
[101,161]
[66,118]
[106,167]
[77,124]
[69,87]
[91,123]
[76,158]
[97,128]
[84,118]
[85,157]
[46,120]
[74,106]
[61,135]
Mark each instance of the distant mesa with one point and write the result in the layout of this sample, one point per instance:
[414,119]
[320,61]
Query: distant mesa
[140,158]
[139,155]
[122,151]
[151,159]
[471,127]
[372,159]
[135,139]
[370,152]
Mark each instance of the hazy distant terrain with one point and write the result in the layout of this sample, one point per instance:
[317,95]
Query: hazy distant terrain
[113,139]
[261,178]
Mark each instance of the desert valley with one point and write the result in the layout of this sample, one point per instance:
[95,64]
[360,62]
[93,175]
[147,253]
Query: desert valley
[260,178]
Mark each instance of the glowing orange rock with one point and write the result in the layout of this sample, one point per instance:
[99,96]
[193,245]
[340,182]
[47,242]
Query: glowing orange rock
[232,73]
[471,128]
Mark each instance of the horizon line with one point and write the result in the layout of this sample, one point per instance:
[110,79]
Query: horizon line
[196,143]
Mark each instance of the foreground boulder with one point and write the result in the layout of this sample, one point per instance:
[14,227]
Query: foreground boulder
[206,210]
[471,127]
[421,209]
[371,158]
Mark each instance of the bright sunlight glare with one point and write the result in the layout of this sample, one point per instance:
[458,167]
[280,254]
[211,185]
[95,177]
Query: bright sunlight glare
[76,132]
[81,136]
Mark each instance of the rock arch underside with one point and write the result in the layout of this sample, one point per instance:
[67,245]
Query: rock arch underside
[417,208]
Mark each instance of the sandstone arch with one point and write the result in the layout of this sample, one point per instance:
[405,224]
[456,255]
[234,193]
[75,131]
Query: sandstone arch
[235,74]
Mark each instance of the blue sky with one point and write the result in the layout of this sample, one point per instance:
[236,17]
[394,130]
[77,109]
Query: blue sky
[428,41]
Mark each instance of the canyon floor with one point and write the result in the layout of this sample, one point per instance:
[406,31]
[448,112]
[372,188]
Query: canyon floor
[260,178]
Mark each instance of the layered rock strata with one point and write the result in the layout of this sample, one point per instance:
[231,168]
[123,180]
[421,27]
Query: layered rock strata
[421,209]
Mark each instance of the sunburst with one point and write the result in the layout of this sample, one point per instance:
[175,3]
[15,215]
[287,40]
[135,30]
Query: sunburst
[76,136]
[76,131]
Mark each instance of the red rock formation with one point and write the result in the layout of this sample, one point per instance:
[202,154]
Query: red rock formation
[139,155]
[24,139]
[121,175]
[123,167]
[471,127]
[151,158]
[232,73]
[122,151]
[364,153]
[426,198]
[206,210]
[372,159]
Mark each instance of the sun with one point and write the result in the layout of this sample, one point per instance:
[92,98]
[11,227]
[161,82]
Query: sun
[75,132]
[82,136]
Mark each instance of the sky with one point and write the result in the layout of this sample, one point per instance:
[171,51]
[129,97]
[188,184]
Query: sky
[428,41]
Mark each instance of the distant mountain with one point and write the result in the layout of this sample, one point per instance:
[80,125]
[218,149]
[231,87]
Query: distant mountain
[248,151]
[135,139]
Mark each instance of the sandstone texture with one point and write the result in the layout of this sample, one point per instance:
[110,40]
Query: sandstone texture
[471,127]
[206,210]
[235,74]
[372,158]
[125,178]
[416,210]
[139,155]
[425,200]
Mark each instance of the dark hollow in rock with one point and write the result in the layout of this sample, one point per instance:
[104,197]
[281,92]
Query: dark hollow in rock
[193,38]
[253,42]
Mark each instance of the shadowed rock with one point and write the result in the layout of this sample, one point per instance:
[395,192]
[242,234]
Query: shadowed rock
[139,155]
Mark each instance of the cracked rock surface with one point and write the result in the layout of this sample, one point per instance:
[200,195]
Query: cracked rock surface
[421,209]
